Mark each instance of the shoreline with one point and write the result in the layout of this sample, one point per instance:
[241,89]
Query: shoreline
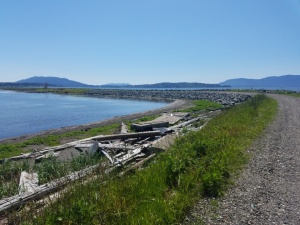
[176,104]
[179,99]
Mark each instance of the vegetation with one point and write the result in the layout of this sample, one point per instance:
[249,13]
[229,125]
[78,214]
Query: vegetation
[202,105]
[198,164]
[52,168]
[9,175]
[47,170]
[13,149]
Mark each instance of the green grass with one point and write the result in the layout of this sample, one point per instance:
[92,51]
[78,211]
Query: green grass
[202,105]
[10,173]
[13,149]
[199,164]
[52,168]
[47,170]
[145,118]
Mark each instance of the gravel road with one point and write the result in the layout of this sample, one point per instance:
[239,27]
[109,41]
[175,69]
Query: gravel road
[268,190]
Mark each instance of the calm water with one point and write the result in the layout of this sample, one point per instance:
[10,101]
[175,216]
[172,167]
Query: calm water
[24,113]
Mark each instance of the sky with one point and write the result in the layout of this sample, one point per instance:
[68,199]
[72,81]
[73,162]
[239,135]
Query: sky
[144,42]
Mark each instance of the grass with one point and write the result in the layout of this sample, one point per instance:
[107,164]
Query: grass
[202,105]
[13,149]
[47,170]
[10,173]
[52,168]
[199,164]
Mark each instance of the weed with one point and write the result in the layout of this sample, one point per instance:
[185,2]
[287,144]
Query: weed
[10,173]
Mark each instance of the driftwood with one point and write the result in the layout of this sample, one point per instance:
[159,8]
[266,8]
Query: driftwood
[51,187]
[28,182]
[42,190]
[124,129]
[104,138]
[127,157]
[74,143]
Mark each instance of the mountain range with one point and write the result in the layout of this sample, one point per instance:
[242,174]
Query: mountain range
[278,82]
[53,81]
[63,82]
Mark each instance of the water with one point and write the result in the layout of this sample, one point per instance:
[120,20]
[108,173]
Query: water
[26,113]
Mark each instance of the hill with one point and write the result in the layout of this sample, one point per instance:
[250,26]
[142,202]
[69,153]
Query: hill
[63,82]
[53,81]
[177,85]
[282,82]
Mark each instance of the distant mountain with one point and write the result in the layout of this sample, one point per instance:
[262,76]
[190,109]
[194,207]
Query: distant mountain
[53,81]
[116,85]
[63,82]
[21,85]
[282,82]
[176,85]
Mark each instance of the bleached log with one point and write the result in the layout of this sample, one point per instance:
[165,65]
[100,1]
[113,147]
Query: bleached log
[126,136]
[108,156]
[103,138]
[83,145]
[130,155]
[28,182]
[115,146]
[124,129]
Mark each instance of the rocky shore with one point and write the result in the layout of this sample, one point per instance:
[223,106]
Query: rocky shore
[222,97]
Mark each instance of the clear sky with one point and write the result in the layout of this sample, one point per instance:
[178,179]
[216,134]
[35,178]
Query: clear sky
[139,41]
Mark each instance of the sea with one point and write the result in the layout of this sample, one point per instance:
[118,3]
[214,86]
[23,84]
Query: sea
[29,113]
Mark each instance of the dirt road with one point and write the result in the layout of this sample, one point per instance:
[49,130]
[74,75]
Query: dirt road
[268,190]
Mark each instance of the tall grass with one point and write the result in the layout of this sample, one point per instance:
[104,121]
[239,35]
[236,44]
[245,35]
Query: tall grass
[198,164]
[9,175]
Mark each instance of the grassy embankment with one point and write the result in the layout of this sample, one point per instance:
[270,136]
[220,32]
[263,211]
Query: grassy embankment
[198,164]
[52,168]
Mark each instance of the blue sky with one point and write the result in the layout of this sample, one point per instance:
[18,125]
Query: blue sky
[137,42]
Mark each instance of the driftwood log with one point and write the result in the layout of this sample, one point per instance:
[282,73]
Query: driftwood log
[83,141]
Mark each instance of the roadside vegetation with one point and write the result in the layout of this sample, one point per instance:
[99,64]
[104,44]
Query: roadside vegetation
[199,164]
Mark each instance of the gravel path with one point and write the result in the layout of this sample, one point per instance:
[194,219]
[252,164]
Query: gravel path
[268,190]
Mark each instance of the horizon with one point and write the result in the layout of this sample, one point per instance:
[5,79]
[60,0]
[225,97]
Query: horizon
[167,81]
[149,42]
[120,83]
